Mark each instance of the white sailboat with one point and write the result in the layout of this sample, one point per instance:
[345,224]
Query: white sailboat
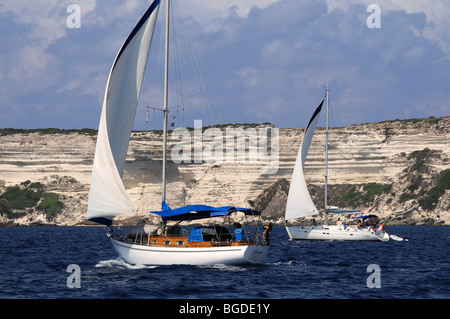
[300,204]
[152,244]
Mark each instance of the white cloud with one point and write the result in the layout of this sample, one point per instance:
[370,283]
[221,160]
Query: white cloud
[46,19]
[207,11]
[250,77]
[32,62]
[436,14]
[266,60]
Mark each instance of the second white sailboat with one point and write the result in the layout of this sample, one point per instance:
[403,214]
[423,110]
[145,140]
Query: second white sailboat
[300,204]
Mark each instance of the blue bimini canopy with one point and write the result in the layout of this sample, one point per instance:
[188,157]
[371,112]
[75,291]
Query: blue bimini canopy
[193,212]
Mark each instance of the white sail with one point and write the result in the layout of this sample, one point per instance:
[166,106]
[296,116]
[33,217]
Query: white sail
[107,196]
[299,202]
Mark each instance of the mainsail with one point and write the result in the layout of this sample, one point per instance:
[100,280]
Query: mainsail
[107,196]
[299,202]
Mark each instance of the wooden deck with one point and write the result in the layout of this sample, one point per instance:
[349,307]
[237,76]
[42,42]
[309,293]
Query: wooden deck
[182,241]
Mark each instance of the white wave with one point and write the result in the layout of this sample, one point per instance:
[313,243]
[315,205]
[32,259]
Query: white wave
[120,263]
[223,267]
[289,263]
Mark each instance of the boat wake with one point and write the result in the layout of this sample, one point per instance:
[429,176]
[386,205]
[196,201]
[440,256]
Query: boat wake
[290,263]
[120,263]
[223,267]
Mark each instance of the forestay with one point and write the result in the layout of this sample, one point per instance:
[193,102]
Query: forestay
[107,196]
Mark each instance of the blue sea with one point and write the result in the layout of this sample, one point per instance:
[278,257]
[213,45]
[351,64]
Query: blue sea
[41,263]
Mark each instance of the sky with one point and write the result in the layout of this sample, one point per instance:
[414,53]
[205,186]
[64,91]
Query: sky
[236,61]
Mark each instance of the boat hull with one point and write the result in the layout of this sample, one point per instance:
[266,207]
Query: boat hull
[334,233]
[159,255]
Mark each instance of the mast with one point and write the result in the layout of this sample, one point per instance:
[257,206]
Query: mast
[327,94]
[166,98]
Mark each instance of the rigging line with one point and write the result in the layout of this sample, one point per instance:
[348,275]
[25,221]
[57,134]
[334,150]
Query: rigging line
[195,57]
[333,118]
[155,71]
[213,99]
[190,50]
[179,83]
[202,78]
[336,118]
[158,65]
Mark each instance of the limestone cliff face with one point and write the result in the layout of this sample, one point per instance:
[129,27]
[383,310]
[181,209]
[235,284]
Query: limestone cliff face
[377,153]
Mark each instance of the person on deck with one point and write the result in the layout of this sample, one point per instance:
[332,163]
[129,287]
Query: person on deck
[266,233]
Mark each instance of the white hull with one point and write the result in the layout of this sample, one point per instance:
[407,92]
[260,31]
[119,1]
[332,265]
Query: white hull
[335,233]
[158,255]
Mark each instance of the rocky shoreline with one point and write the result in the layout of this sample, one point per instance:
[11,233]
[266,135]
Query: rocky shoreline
[398,170]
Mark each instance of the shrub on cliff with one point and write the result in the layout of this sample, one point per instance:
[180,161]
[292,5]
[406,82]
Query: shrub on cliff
[431,198]
[17,200]
[50,205]
[20,199]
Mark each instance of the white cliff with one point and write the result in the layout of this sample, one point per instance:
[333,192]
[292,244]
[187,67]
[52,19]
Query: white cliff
[358,154]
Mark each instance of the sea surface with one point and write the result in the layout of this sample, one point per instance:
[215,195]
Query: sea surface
[38,263]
